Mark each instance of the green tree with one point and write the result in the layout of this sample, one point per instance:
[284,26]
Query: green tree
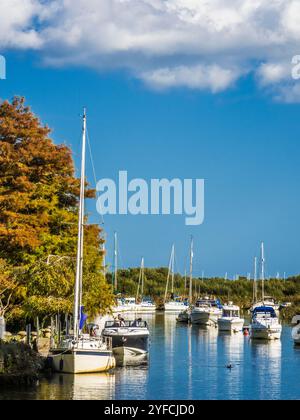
[39,217]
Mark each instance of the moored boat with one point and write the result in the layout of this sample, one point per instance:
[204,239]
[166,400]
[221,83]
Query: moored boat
[81,353]
[130,340]
[206,312]
[296,329]
[231,320]
[185,315]
[146,304]
[265,324]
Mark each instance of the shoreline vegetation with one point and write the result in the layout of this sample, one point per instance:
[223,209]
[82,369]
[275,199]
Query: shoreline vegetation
[239,291]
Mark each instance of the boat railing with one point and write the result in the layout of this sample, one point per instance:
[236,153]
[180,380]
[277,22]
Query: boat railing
[108,342]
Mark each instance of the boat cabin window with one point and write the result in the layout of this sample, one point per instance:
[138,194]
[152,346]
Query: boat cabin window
[127,324]
[229,313]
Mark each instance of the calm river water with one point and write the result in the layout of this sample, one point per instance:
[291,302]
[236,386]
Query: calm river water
[187,362]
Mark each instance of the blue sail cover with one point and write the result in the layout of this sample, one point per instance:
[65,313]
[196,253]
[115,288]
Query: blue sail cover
[265,310]
[83,318]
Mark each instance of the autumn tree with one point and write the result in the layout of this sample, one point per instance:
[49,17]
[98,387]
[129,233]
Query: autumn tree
[38,216]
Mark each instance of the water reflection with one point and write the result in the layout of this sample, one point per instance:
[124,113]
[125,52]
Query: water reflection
[78,387]
[188,362]
[232,346]
[269,355]
[131,383]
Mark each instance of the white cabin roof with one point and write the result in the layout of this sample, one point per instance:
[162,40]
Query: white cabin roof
[231,308]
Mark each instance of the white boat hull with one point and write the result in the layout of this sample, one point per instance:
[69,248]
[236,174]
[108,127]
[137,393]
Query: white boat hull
[231,324]
[205,318]
[296,335]
[174,308]
[265,333]
[145,309]
[82,361]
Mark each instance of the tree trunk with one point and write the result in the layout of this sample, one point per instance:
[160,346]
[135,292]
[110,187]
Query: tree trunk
[2,328]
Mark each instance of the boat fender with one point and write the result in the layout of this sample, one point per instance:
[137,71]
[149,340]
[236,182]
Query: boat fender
[61,365]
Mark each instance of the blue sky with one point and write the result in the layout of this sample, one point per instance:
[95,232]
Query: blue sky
[244,144]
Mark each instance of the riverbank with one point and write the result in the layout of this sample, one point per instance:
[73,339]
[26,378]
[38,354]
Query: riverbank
[19,365]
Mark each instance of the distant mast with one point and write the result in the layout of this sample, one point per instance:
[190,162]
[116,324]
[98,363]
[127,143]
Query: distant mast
[263,270]
[191,270]
[169,273]
[173,268]
[141,281]
[255,281]
[79,259]
[116,262]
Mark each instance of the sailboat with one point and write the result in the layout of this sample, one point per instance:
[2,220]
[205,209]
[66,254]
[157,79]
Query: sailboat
[266,300]
[81,353]
[123,304]
[185,315]
[265,322]
[175,304]
[146,304]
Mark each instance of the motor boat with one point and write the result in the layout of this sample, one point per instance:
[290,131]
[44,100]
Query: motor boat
[129,304]
[265,324]
[296,329]
[176,305]
[231,320]
[206,312]
[119,306]
[146,306]
[130,340]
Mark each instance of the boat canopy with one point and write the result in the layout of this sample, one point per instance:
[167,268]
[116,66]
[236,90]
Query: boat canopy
[265,310]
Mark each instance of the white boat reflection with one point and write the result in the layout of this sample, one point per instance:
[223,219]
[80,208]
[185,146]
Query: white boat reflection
[233,352]
[269,357]
[80,387]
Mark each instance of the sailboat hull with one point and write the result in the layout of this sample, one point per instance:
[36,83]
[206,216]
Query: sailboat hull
[83,361]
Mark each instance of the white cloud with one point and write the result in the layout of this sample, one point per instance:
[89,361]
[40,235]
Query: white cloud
[212,77]
[272,73]
[16,30]
[201,44]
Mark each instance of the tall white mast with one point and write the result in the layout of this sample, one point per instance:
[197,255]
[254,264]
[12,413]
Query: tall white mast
[104,259]
[141,281]
[79,259]
[169,273]
[255,281]
[143,277]
[173,268]
[263,270]
[191,270]
[116,261]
